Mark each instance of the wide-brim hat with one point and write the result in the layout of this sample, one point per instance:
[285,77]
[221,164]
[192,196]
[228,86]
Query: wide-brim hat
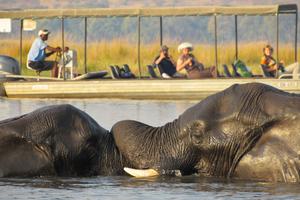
[185,45]
[43,32]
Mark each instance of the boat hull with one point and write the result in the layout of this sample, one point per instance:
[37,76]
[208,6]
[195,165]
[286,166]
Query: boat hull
[175,89]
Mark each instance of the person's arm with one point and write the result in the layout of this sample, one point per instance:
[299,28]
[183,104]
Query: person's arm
[160,58]
[52,50]
[181,64]
[271,66]
[49,48]
[172,61]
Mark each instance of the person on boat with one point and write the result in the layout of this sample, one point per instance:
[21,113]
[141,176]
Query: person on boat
[166,64]
[37,54]
[272,66]
[193,67]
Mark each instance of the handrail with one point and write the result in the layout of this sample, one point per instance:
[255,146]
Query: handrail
[288,75]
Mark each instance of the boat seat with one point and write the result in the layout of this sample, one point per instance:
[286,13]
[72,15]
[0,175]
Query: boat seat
[226,71]
[234,71]
[38,72]
[70,60]
[118,70]
[123,72]
[114,72]
[151,71]
[127,72]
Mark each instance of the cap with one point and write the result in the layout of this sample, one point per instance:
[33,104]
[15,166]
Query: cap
[164,48]
[43,32]
[185,45]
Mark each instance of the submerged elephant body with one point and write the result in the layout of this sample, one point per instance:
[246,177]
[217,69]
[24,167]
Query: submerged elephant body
[248,131]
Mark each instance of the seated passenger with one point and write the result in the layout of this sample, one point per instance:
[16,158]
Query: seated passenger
[193,68]
[166,64]
[272,66]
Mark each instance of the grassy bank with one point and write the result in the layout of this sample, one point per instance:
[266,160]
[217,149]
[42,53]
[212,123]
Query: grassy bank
[117,52]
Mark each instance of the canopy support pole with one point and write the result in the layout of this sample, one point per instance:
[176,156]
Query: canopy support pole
[63,45]
[85,44]
[296,37]
[139,45]
[277,41]
[21,43]
[236,37]
[216,41]
[161,30]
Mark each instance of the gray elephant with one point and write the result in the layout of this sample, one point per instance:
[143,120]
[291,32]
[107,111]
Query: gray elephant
[247,131]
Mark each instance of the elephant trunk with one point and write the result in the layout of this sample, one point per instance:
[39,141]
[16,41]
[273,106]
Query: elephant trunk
[110,160]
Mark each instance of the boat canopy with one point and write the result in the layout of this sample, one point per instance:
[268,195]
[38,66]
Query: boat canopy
[148,12]
[160,12]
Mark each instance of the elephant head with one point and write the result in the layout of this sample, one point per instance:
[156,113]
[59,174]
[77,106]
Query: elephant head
[219,135]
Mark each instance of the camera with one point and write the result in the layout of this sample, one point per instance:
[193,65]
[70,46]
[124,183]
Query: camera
[281,68]
[192,62]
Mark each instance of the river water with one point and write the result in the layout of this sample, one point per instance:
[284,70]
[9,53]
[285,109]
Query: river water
[106,113]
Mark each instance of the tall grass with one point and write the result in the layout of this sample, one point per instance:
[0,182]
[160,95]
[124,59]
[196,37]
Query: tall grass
[101,54]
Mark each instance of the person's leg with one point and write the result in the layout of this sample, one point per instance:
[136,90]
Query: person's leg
[214,71]
[178,75]
[294,69]
[36,65]
[51,65]
[54,71]
[210,72]
[206,73]
[165,75]
[196,73]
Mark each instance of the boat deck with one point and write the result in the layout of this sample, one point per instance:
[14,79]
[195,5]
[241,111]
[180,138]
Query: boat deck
[174,89]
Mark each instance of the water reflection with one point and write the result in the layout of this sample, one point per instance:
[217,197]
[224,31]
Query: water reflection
[105,112]
[189,187]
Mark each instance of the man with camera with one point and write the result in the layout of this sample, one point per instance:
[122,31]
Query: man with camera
[193,67]
[165,63]
[37,54]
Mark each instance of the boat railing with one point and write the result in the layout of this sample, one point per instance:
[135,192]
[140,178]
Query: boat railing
[283,76]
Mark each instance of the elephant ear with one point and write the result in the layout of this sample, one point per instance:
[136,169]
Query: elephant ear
[197,131]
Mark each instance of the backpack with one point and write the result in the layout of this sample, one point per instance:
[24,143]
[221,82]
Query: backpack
[242,69]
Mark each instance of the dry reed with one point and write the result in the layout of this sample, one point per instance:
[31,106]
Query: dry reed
[101,54]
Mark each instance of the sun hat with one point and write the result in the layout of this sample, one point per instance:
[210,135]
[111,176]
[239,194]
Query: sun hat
[43,32]
[185,45]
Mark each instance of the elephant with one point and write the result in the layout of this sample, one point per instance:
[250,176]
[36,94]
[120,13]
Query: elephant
[247,131]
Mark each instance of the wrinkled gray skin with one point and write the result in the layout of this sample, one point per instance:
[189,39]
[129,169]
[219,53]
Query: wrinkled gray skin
[248,131]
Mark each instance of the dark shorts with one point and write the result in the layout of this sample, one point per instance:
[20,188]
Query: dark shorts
[41,65]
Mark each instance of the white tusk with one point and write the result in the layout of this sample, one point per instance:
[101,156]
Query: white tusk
[141,172]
